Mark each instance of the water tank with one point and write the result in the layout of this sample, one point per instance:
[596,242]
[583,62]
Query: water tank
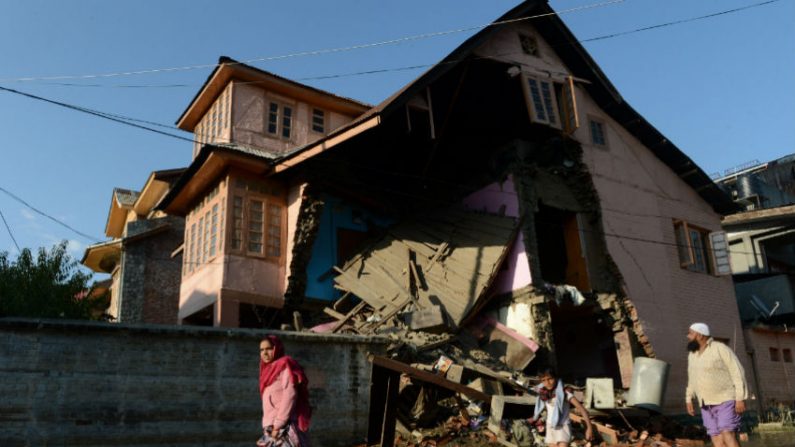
[649,377]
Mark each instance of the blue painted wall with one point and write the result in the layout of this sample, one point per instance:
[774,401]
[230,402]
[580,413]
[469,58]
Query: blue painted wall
[336,214]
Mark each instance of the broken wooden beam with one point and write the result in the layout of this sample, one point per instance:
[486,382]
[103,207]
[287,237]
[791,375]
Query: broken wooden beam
[348,316]
[424,376]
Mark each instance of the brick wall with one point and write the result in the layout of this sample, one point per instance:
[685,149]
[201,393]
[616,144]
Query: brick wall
[84,383]
[775,378]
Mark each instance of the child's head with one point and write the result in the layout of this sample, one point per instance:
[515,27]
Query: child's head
[548,378]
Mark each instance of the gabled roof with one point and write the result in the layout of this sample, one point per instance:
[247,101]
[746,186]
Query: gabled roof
[582,66]
[212,158]
[229,69]
[121,201]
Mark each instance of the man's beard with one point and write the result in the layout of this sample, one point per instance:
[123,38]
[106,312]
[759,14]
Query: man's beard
[692,346]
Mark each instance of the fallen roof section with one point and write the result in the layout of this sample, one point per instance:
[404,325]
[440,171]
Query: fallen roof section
[447,259]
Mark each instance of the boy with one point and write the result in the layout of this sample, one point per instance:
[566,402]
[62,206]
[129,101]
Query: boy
[558,400]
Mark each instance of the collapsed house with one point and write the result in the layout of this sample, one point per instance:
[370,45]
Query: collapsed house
[509,193]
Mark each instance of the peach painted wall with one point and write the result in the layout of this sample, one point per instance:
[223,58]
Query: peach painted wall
[249,109]
[776,377]
[640,196]
[200,289]
[294,194]
[255,276]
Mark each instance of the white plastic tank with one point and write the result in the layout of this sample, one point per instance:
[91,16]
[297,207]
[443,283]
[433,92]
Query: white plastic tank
[649,377]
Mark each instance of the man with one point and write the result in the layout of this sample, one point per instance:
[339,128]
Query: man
[717,379]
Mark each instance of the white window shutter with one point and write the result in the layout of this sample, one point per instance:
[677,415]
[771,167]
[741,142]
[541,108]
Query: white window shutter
[720,252]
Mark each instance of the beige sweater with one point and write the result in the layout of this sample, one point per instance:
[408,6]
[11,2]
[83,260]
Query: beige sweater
[715,375]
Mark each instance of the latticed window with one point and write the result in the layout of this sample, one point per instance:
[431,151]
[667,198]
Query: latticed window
[274,230]
[255,226]
[205,231]
[257,218]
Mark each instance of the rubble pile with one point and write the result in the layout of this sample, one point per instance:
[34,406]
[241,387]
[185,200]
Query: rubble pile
[455,375]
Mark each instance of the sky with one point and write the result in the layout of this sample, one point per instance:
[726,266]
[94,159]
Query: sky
[721,88]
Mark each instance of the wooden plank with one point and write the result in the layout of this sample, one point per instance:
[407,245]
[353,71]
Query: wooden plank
[608,434]
[425,376]
[383,404]
[348,316]
[342,301]
[331,312]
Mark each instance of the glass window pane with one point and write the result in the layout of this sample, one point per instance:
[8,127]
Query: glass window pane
[549,103]
[535,97]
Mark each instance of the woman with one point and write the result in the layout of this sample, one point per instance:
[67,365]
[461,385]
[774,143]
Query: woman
[558,400]
[283,387]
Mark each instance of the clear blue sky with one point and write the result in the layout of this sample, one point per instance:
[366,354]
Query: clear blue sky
[721,89]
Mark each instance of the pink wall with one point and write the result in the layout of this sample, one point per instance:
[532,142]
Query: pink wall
[491,199]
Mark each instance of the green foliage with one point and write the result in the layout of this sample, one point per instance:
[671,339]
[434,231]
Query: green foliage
[48,285]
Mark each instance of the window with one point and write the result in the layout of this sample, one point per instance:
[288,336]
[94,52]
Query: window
[280,120]
[787,354]
[551,103]
[598,136]
[257,213]
[774,355]
[237,223]
[318,121]
[204,230]
[701,251]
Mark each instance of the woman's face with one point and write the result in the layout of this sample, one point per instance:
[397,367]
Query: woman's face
[266,351]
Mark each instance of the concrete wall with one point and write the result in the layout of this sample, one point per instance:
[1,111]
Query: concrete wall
[640,197]
[76,383]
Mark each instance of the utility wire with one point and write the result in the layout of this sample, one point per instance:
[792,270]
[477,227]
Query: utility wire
[317,52]
[106,116]
[393,41]
[10,233]
[678,22]
[59,222]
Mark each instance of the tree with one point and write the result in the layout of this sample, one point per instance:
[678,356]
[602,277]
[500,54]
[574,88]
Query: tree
[51,285]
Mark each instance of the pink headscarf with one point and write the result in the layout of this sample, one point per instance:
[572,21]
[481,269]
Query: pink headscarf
[269,372]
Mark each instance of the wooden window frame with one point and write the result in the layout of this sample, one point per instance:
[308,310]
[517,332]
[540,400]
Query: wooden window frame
[323,115]
[274,198]
[558,101]
[786,355]
[199,227]
[775,355]
[280,108]
[710,267]
[595,120]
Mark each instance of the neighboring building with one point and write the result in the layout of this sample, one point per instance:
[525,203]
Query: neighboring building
[143,256]
[771,348]
[238,238]
[762,246]
[518,124]
[758,185]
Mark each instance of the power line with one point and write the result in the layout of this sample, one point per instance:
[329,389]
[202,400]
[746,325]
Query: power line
[107,116]
[316,52]
[678,22]
[10,233]
[375,71]
[59,222]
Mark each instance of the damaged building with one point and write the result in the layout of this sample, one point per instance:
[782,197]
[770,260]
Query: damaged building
[509,196]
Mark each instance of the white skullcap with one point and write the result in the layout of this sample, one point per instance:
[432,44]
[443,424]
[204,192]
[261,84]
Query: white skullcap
[701,328]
